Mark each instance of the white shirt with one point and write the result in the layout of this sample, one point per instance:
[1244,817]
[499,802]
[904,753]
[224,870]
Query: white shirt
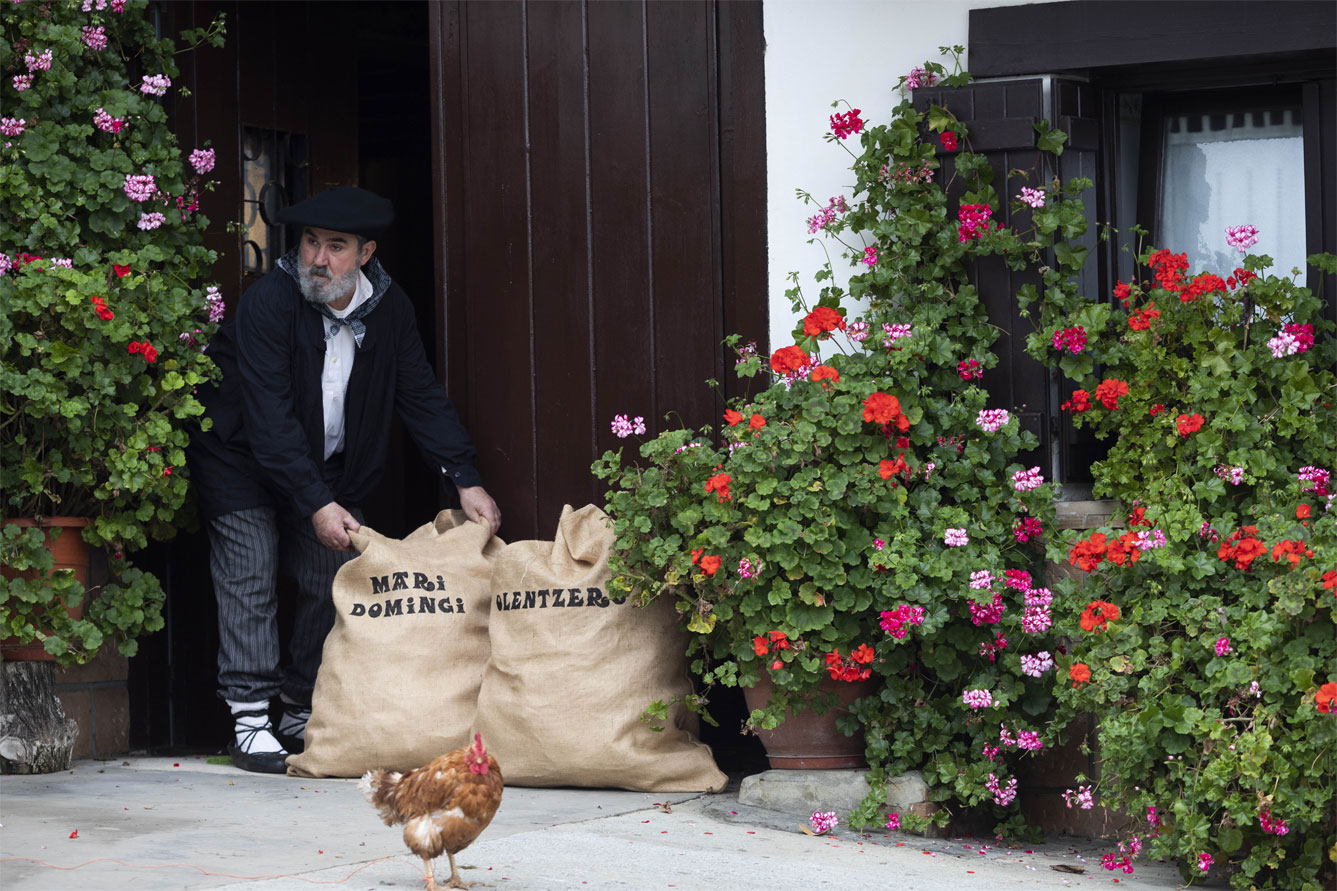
[339,352]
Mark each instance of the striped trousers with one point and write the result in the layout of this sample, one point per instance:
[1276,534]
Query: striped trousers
[248,550]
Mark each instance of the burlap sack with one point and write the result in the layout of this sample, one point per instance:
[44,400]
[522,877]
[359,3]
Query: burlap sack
[399,676]
[571,672]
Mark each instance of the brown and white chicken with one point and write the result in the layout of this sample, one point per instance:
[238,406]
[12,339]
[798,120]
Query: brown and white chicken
[444,805]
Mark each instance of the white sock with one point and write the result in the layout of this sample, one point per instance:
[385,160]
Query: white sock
[253,731]
[293,720]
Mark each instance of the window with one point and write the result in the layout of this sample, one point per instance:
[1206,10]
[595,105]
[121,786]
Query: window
[1188,120]
[1191,164]
[273,177]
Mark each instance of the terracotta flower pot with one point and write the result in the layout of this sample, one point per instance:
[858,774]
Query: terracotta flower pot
[70,552]
[808,741]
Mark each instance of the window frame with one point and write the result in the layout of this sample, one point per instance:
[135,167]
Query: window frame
[1157,107]
[1088,53]
[1127,45]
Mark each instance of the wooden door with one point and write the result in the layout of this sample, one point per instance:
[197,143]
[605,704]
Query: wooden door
[600,200]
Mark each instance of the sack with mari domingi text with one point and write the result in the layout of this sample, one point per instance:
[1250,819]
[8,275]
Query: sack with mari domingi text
[401,669]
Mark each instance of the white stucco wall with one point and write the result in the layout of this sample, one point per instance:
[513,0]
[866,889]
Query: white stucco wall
[818,51]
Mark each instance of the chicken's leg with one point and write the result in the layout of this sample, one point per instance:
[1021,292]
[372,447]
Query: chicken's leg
[455,880]
[429,880]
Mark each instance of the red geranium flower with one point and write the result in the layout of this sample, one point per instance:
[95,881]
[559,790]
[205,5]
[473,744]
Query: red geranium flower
[1123,549]
[1330,580]
[881,408]
[1080,673]
[1168,268]
[121,271]
[1086,555]
[100,305]
[863,654]
[710,563]
[1291,551]
[756,422]
[948,140]
[825,373]
[823,320]
[1080,401]
[1324,699]
[1108,392]
[1142,319]
[733,417]
[1242,548]
[719,484]
[787,360]
[1097,614]
[888,468]
[1240,277]
[1187,424]
[840,670]
[1206,283]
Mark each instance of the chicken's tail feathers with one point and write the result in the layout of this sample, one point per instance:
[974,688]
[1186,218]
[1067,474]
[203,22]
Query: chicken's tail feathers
[378,787]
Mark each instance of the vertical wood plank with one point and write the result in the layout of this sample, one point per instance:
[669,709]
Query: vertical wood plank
[497,258]
[993,111]
[684,212]
[742,135]
[564,385]
[624,335]
[1320,148]
[448,135]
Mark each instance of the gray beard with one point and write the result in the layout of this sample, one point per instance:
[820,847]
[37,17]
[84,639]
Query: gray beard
[324,290]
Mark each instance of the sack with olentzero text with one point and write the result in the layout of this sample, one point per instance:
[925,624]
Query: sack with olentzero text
[400,672]
[570,673]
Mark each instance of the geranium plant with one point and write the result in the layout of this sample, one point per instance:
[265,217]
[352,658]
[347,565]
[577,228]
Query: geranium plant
[1204,631]
[863,514]
[104,312]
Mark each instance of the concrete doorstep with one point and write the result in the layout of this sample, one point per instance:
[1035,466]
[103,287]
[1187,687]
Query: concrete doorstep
[140,824]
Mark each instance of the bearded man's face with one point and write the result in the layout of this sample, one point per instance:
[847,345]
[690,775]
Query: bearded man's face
[327,265]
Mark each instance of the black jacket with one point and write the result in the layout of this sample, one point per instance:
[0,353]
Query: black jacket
[267,443]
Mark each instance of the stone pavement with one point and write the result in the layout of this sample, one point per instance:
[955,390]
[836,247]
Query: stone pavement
[145,823]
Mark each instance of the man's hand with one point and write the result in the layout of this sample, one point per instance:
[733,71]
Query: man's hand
[332,524]
[479,506]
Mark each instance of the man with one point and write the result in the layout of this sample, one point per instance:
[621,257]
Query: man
[315,358]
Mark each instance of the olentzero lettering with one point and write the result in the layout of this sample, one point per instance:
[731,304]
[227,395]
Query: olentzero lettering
[552,597]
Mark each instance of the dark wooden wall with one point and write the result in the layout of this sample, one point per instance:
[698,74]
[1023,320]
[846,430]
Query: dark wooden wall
[600,203]
[277,71]
[1001,119]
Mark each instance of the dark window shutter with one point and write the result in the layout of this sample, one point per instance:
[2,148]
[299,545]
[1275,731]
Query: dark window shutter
[1000,118]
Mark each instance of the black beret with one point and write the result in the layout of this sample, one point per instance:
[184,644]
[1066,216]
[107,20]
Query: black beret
[342,209]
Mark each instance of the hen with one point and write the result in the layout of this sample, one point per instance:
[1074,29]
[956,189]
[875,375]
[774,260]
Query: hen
[443,805]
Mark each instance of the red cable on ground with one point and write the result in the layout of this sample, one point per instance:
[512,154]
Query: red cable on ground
[201,870]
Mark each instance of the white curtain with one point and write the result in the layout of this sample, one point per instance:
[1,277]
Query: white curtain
[1249,169]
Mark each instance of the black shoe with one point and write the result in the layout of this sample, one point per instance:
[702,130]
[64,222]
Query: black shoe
[295,745]
[258,762]
[294,717]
